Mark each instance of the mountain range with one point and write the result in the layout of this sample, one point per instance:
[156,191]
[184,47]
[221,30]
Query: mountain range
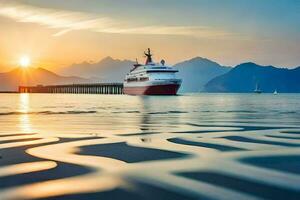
[106,70]
[10,81]
[245,77]
[195,72]
[198,74]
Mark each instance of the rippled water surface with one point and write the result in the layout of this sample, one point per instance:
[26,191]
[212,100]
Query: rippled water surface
[196,146]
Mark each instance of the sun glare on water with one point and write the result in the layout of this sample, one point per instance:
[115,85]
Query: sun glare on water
[24,61]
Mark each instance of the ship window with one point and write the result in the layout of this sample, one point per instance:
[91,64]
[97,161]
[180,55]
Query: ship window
[132,79]
[144,79]
[156,71]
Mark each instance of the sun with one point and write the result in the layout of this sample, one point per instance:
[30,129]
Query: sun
[24,61]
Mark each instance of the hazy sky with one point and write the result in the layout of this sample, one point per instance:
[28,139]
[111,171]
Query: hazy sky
[58,33]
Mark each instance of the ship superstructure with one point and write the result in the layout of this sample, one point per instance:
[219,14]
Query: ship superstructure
[151,78]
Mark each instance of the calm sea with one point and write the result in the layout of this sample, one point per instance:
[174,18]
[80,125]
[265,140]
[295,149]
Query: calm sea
[208,146]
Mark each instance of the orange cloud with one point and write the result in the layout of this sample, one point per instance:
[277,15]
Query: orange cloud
[67,21]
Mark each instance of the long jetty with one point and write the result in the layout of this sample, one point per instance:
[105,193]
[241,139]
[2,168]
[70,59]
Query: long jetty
[90,88]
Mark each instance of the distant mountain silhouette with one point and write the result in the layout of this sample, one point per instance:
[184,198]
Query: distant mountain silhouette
[106,70]
[244,77]
[10,81]
[197,72]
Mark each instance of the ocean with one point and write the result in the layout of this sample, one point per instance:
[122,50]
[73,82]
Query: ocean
[189,146]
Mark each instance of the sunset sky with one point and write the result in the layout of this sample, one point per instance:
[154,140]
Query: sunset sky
[58,33]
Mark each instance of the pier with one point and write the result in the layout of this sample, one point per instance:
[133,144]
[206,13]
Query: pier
[93,88]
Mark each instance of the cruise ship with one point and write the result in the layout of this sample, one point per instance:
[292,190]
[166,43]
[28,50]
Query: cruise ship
[151,78]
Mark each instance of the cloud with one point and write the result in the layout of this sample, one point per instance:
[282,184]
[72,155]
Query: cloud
[67,21]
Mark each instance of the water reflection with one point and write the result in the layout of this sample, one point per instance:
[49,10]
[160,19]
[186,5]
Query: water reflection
[129,147]
[24,118]
[159,117]
[26,168]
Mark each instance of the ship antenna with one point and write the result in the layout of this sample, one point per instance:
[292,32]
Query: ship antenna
[149,56]
[135,65]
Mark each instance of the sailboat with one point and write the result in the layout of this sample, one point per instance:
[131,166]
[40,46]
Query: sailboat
[275,92]
[257,89]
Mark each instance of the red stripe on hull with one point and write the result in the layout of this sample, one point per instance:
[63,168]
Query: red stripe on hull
[170,89]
